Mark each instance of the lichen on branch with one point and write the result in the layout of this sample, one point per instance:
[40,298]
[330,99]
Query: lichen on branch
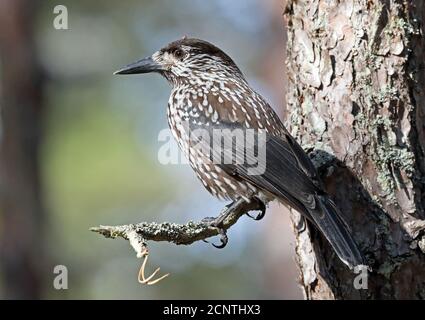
[138,234]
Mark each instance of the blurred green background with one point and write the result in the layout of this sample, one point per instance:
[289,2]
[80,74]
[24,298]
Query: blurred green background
[97,156]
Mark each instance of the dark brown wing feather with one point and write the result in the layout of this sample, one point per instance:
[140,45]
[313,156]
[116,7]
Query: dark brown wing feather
[291,177]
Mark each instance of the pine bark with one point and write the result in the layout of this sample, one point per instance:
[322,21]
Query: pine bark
[356,102]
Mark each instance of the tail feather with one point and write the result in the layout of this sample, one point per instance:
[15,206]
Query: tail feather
[336,231]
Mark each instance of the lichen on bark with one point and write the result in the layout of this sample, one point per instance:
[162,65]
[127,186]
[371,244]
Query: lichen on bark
[355,93]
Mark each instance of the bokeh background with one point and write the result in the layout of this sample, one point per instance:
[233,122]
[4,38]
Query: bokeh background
[79,146]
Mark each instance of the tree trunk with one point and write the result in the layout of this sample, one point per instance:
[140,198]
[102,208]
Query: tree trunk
[21,250]
[356,97]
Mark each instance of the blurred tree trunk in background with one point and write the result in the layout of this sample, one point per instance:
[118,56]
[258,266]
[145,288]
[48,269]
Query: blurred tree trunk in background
[21,214]
[356,96]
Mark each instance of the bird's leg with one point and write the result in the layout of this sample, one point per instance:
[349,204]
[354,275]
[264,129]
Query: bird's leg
[261,207]
[218,221]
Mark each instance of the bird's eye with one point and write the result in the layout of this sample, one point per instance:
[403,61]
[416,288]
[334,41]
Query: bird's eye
[179,53]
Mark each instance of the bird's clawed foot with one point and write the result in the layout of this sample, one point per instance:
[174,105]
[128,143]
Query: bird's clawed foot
[260,207]
[217,223]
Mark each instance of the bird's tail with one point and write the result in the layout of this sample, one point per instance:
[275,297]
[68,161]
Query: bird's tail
[330,223]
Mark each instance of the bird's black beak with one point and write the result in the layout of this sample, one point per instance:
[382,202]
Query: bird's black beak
[145,65]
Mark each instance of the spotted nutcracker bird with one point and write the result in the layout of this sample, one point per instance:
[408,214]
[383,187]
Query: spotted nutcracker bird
[210,93]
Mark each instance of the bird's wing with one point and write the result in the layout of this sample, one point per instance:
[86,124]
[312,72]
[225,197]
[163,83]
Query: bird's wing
[280,167]
[251,111]
[288,172]
[269,162]
[274,162]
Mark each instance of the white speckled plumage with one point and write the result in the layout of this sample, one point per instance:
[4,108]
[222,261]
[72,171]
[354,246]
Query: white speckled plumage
[227,96]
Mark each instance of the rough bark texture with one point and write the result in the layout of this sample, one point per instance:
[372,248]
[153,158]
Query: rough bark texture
[21,215]
[356,97]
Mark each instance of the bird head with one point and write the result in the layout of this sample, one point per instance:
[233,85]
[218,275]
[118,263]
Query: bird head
[187,60]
